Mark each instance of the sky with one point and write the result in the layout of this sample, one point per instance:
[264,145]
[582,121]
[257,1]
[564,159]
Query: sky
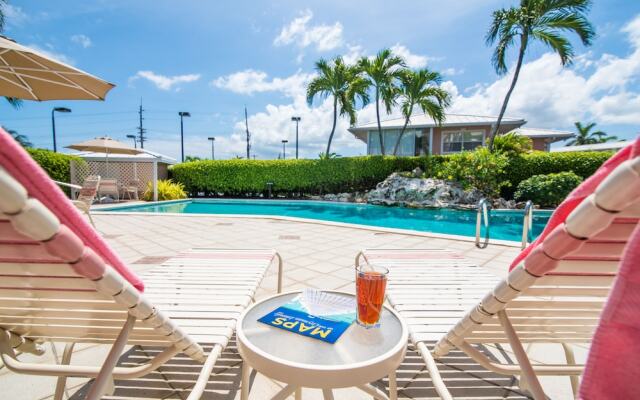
[214,58]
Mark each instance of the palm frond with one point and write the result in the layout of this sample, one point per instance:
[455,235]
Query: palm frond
[559,44]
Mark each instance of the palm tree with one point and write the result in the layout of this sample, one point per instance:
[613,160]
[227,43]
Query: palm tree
[536,20]
[420,88]
[344,83]
[22,139]
[382,72]
[585,136]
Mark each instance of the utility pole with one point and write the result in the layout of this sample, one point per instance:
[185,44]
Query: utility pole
[182,114]
[141,130]
[284,149]
[246,124]
[213,141]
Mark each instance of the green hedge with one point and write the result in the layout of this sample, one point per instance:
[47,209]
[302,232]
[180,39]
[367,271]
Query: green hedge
[238,177]
[522,167]
[547,190]
[347,174]
[57,165]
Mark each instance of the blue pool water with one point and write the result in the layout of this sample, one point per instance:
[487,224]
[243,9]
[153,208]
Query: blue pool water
[505,225]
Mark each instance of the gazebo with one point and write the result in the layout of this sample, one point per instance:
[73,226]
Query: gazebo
[125,168]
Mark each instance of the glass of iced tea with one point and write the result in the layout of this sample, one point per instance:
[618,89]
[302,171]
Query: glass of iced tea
[371,282]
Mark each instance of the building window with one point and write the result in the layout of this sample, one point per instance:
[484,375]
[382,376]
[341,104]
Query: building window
[455,142]
[390,137]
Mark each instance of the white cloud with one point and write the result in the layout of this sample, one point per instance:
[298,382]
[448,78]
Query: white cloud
[412,60]
[50,52]
[165,82]
[323,37]
[547,95]
[14,15]
[82,40]
[452,71]
[251,81]
[353,54]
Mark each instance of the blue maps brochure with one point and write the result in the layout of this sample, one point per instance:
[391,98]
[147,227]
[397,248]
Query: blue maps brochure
[315,314]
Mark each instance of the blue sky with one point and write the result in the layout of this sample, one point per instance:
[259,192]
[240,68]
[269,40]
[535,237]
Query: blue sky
[212,58]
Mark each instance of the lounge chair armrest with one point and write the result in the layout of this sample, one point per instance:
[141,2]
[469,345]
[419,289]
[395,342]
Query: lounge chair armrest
[69,185]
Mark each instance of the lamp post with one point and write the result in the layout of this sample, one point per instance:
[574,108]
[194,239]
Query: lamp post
[135,142]
[296,120]
[213,154]
[53,123]
[284,149]
[182,114]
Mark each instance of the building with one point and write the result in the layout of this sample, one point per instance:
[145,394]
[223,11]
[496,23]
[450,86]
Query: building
[459,132]
[607,146]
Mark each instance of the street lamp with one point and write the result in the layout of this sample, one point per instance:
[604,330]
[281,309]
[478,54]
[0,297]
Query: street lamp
[182,114]
[296,120]
[213,154]
[284,149]
[135,142]
[53,123]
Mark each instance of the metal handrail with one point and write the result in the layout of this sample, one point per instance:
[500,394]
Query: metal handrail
[484,207]
[527,224]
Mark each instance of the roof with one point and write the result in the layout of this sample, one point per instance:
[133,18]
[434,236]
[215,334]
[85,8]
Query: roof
[424,121]
[538,133]
[147,156]
[593,147]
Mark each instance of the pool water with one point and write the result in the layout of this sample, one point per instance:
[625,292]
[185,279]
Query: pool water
[505,225]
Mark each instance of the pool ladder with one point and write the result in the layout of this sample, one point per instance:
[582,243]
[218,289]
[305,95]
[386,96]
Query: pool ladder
[483,217]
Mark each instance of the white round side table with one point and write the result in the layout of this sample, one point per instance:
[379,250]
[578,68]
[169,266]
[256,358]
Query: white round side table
[358,357]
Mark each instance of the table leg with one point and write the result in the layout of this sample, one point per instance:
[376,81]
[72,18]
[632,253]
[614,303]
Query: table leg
[285,392]
[244,384]
[327,394]
[393,386]
[298,394]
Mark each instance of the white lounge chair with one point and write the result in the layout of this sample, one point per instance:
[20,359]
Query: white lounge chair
[86,194]
[554,293]
[61,282]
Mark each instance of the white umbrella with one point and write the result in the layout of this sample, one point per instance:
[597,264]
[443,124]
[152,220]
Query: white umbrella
[105,145]
[28,74]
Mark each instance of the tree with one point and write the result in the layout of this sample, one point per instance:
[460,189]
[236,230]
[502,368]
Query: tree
[342,82]
[15,103]
[421,88]
[382,71]
[585,136]
[22,139]
[544,21]
[191,158]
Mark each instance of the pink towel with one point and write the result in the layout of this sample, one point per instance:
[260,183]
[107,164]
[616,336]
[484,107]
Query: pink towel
[17,162]
[613,366]
[578,194]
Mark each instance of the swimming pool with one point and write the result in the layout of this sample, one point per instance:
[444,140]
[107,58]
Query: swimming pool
[505,225]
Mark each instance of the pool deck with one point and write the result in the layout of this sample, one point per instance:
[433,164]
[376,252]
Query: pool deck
[315,255]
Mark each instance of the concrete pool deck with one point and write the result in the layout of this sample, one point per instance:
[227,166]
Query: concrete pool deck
[315,255]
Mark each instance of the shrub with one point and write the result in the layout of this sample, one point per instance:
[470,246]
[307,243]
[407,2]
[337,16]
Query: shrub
[57,165]
[478,169]
[583,164]
[547,190]
[167,190]
[240,177]
[511,144]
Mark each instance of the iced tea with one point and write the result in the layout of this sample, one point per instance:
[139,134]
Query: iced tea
[371,282]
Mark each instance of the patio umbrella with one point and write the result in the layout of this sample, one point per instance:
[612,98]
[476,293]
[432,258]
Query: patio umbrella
[104,145]
[27,74]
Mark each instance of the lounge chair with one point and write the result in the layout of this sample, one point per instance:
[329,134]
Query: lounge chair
[86,194]
[554,292]
[131,190]
[109,187]
[61,282]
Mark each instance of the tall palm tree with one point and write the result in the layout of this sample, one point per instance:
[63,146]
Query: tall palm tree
[544,21]
[16,103]
[585,136]
[344,83]
[382,72]
[421,88]
[22,139]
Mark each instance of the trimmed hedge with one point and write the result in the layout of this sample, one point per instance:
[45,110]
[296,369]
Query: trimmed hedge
[583,164]
[347,174]
[57,165]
